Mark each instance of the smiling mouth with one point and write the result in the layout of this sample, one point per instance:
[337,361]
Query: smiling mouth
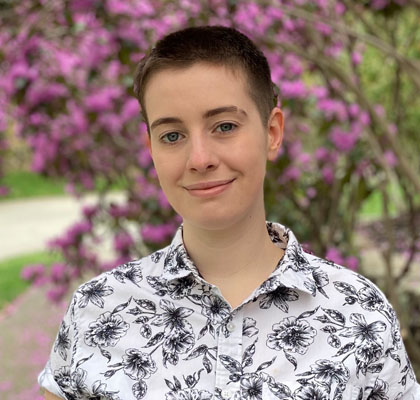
[203,186]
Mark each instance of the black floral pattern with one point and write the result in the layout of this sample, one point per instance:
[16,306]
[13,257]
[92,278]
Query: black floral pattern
[62,343]
[155,329]
[106,331]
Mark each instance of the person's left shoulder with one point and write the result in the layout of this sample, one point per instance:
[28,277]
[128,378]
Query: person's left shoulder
[350,290]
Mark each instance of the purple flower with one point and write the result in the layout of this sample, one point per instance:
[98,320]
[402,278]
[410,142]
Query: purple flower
[291,174]
[334,255]
[123,241]
[328,175]
[356,58]
[390,158]
[40,92]
[58,272]
[130,109]
[343,141]
[352,263]
[293,89]
[102,99]
[31,272]
[157,233]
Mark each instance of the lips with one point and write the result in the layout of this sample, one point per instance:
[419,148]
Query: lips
[208,185]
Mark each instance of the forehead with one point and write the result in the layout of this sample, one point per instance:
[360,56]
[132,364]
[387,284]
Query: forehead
[197,87]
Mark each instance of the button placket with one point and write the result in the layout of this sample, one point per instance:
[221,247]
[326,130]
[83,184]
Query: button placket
[230,346]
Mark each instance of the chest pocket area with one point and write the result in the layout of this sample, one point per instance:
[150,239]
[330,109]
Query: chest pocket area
[314,390]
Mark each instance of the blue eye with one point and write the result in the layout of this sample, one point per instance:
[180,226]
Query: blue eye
[226,127]
[171,137]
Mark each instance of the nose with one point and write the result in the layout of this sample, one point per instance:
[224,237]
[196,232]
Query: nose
[202,156]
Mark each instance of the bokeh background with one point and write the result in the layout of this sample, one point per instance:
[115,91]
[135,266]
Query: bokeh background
[78,192]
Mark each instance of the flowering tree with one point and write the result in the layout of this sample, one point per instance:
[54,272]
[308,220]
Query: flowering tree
[351,123]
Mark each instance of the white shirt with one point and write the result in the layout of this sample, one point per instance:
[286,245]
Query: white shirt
[154,329]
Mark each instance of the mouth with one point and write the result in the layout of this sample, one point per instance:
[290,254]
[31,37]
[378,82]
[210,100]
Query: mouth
[208,185]
[208,189]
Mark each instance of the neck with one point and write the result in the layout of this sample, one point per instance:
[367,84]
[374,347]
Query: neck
[243,252]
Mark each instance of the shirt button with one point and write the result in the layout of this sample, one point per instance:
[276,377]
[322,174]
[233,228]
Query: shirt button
[230,326]
[226,394]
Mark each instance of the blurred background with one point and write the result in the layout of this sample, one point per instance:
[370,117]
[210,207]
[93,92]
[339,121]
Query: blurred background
[78,192]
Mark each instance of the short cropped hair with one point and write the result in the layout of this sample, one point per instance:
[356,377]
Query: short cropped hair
[216,45]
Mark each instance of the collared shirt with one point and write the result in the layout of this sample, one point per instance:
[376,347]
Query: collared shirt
[155,329]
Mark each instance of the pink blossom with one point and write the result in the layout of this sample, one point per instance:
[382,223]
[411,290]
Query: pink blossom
[293,64]
[58,272]
[4,190]
[356,58]
[57,293]
[322,154]
[123,241]
[352,263]
[130,110]
[275,13]
[102,99]
[354,109]
[157,233]
[380,110]
[390,158]
[379,4]
[110,122]
[163,201]
[322,4]
[325,29]
[40,92]
[311,192]
[364,118]
[340,8]
[320,92]
[292,89]
[32,272]
[67,62]
[304,159]
[328,175]
[294,149]
[291,173]
[333,108]
[335,256]
[343,141]
[89,211]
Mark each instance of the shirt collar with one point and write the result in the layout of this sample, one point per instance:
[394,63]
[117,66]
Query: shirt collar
[293,270]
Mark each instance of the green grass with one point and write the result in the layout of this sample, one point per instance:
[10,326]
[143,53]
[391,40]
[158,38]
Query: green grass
[11,284]
[24,184]
[372,208]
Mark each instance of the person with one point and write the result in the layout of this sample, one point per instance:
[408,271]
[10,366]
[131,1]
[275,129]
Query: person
[232,308]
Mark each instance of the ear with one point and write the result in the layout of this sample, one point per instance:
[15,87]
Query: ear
[275,128]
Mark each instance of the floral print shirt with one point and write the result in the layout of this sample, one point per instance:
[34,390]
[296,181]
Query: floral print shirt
[155,329]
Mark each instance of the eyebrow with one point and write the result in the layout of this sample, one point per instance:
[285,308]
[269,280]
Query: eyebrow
[206,115]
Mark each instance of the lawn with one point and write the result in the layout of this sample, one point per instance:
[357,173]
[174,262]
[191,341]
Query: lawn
[11,284]
[24,184]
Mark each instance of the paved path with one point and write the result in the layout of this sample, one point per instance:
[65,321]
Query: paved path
[27,225]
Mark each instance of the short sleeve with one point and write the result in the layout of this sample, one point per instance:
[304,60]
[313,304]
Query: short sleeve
[396,380]
[56,375]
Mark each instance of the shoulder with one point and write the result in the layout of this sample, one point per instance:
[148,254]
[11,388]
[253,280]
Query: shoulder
[117,285]
[348,285]
[355,299]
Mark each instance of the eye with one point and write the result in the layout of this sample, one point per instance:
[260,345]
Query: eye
[171,137]
[226,127]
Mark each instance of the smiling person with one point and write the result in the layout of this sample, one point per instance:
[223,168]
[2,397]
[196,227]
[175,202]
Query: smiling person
[232,308]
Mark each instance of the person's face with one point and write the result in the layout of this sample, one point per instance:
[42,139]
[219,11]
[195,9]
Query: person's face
[209,145]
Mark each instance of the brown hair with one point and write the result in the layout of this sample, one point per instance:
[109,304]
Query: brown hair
[212,44]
